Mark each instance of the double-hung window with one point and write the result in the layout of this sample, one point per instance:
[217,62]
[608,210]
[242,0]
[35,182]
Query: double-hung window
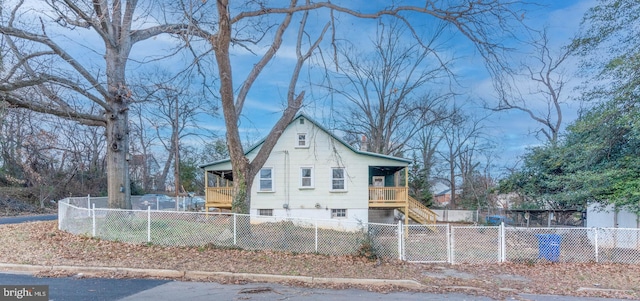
[266,179]
[302,140]
[338,181]
[306,177]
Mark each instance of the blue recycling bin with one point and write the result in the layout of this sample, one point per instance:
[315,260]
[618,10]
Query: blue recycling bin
[549,246]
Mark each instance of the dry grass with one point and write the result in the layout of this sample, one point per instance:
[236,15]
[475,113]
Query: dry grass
[41,243]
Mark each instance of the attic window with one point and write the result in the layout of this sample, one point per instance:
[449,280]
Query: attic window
[302,140]
[301,120]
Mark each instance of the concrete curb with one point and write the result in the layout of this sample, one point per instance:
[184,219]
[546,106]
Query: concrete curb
[203,275]
[377,282]
[595,289]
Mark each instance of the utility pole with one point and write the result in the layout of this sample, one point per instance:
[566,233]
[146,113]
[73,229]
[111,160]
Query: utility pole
[176,147]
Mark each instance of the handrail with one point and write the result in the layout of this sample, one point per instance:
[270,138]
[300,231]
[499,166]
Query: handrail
[422,211]
[219,197]
[387,196]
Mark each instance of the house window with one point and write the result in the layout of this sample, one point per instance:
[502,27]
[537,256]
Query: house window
[338,213]
[265,212]
[302,140]
[306,177]
[301,120]
[337,179]
[266,179]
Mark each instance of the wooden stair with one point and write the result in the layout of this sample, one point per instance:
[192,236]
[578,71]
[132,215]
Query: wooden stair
[420,213]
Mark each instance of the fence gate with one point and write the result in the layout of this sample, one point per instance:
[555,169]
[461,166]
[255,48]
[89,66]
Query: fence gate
[426,243]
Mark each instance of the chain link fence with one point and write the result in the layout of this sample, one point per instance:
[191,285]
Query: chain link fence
[415,243]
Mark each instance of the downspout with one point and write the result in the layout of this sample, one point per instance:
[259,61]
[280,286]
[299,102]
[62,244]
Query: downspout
[287,174]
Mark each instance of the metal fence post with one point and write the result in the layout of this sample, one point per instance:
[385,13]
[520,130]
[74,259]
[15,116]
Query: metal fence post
[316,236]
[399,230]
[88,201]
[234,229]
[595,239]
[503,245]
[148,223]
[93,221]
[62,207]
[451,240]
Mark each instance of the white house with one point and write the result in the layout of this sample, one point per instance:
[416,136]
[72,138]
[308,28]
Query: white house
[311,173]
[609,218]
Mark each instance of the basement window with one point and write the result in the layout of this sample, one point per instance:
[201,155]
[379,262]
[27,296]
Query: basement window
[265,212]
[338,213]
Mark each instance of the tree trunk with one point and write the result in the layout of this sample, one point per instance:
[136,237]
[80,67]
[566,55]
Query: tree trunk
[117,131]
[117,136]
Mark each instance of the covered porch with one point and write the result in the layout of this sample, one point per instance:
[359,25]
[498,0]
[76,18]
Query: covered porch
[218,189]
[389,188]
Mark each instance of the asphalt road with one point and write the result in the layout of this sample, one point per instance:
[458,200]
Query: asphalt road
[81,289]
[27,218]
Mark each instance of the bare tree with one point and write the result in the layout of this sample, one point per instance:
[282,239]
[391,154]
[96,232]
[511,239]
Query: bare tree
[381,90]
[39,55]
[48,156]
[542,99]
[476,20]
[460,137]
[142,157]
[40,60]
[170,110]
[425,144]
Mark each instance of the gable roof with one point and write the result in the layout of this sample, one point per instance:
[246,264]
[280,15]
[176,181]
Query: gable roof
[303,115]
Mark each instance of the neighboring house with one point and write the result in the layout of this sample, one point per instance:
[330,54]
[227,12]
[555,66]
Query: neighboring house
[442,198]
[608,217]
[441,195]
[311,173]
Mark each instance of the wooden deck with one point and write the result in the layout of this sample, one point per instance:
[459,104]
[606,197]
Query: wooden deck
[219,197]
[388,197]
[379,197]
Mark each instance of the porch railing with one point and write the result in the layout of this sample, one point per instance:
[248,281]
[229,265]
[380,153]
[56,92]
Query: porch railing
[219,197]
[387,196]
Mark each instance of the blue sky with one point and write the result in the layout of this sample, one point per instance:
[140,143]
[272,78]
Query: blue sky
[511,131]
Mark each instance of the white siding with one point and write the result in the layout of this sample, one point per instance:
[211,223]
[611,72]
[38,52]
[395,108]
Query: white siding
[323,154]
[606,217]
[309,218]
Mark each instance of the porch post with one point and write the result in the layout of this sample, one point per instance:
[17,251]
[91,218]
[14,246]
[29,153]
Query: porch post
[406,183]
[206,187]
[406,198]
